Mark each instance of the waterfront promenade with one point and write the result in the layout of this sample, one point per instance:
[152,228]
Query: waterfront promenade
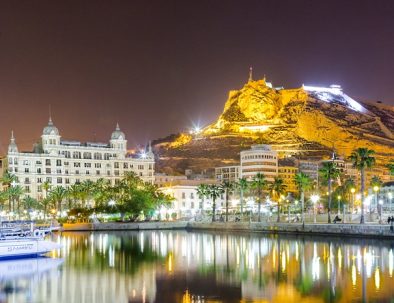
[340,229]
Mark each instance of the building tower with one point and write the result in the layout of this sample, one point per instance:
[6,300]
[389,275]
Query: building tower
[118,139]
[12,147]
[50,136]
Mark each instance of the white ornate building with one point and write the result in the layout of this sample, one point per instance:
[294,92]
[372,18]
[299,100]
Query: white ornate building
[63,163]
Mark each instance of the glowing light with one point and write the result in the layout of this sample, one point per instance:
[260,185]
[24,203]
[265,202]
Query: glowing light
[391,263]
[377,278]
[334,94]
[353,190]
[315,198]
[354,275]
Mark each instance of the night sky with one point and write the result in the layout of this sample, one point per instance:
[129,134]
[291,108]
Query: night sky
[157,67]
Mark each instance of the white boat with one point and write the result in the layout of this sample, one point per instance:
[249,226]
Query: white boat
[26,247]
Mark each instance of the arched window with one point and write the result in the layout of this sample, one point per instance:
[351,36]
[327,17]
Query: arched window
[76,155]
[87,155]
[98,156]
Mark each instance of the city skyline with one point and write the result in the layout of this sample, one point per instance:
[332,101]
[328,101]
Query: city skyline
[158,69]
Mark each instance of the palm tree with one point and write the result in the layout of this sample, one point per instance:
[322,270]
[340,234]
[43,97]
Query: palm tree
[29,204]
[243,185]
[259,183]
[86,191]
[14,193]
[57,195]
[3,198]
[390,166]
[214,192]
[44,204]
[46,186]
[227,188]
[7,180]
[362,158]
[277,189]
[74,192]
[304,183]
[329,171]
[202,192]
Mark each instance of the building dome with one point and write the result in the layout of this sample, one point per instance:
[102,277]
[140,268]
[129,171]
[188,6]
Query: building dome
[118,134]
[50,129]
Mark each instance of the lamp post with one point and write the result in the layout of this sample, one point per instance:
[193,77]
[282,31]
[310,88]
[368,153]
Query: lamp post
[380,211]
[352,190]
[315,198]
[375,189]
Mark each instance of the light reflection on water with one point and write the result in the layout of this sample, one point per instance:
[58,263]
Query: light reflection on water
[180,266]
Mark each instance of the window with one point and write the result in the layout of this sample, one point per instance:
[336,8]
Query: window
[10,161]
[66,163]
[39,180]
[66,171]
[116,164]
[27,189]
[97,172]
[87,155]
[67,181]
[140,167]
[49,180]
[125,166]
[87,172]
[26,169]
[97,165]
[48,170]
[39,170]
[191,195]
[48,162]
[76,155]
[59,171]
[58,162]
[88,165]
[192,204]
[77,172]
[98,156]
[183,196]
[27,181]
[39,189]
[77,164]
[38,162]
[59,180]
[108,173]
[26,162]
[116,172]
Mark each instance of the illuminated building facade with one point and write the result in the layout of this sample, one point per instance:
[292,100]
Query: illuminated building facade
[259,159]
[63,163]
[287,171]
[227,173]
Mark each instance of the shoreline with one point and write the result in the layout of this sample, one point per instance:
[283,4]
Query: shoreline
[318,229]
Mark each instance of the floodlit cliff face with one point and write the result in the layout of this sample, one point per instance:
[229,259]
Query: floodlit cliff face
[307,122]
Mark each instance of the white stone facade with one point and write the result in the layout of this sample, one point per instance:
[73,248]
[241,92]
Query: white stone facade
[259,159]
[63,163]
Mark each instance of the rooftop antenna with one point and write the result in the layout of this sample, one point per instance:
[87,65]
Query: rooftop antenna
[250,74]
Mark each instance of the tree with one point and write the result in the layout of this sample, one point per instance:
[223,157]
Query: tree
[7,180]
[227,188]
[390,166]
[350,187]
[362,158]
[44,204]
[29,204]
[329,171]
[376,181]
[14,193]
[57,195]
[202,193]
[3,199]
[86,191]
[46,186]
[214,191]
[259,183]
[304,183]
[277,189]
[242,185]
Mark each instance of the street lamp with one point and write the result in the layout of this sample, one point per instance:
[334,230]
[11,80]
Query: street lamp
[375,189]
[380,211]
[315,198]
[352,190]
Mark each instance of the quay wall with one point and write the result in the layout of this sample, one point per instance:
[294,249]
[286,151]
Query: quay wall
[367,230]
[355,230]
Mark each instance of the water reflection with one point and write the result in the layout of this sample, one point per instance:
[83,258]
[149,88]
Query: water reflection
[177,266]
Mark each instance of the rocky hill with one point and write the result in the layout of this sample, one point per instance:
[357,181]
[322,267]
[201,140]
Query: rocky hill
[307,122]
